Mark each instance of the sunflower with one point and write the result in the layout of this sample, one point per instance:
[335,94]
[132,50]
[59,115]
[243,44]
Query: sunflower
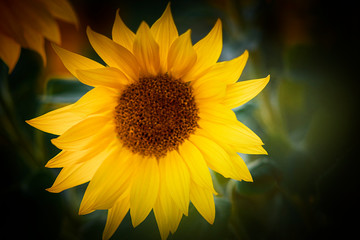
[159,116]
[25,23]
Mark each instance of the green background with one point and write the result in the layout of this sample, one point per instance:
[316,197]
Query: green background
[306,188]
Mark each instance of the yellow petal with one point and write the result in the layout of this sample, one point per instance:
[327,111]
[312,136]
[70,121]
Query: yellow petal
[229,71]
[115,216]
[242,92]
[195,161]
[177,179]
[220,114]
[216,112]
[62,159]
[240,168]
[161,220]
[228,165]
[215,156]
[57,121]
[114,54]
[66,179]
[250,149]
[231,147]
[146,51]
[108,77]
[212,41]
[208,51]
[79,173]
[167,214]
[9,51]
[121,34]
[167,220]
[87,132]
[236,133]
[144,190]
[97,101]
[181,56]
[163,208]
[73,61]
[175,219]
[208,89]
[216,117]
[61,9]
[69,158]
[111,181]
[164,32]
[203,200]
[66,158]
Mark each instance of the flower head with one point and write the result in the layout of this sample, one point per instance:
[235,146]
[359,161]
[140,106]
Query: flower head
[158,117]
[25,23]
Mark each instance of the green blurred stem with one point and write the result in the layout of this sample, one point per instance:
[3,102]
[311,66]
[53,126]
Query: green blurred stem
[11,124]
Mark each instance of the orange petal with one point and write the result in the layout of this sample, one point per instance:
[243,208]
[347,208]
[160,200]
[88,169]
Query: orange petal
[9,51]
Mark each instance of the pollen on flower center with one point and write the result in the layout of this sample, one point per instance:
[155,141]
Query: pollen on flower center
[155,115]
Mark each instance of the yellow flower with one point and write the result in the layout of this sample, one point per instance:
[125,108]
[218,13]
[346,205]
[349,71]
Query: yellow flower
[158,117]
[25,23]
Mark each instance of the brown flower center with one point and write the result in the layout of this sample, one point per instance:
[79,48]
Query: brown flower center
[155,115]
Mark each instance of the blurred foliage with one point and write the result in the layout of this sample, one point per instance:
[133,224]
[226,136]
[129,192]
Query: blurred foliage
[307,117]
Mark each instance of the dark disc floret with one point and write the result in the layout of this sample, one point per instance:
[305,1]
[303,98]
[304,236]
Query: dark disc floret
[155,115]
